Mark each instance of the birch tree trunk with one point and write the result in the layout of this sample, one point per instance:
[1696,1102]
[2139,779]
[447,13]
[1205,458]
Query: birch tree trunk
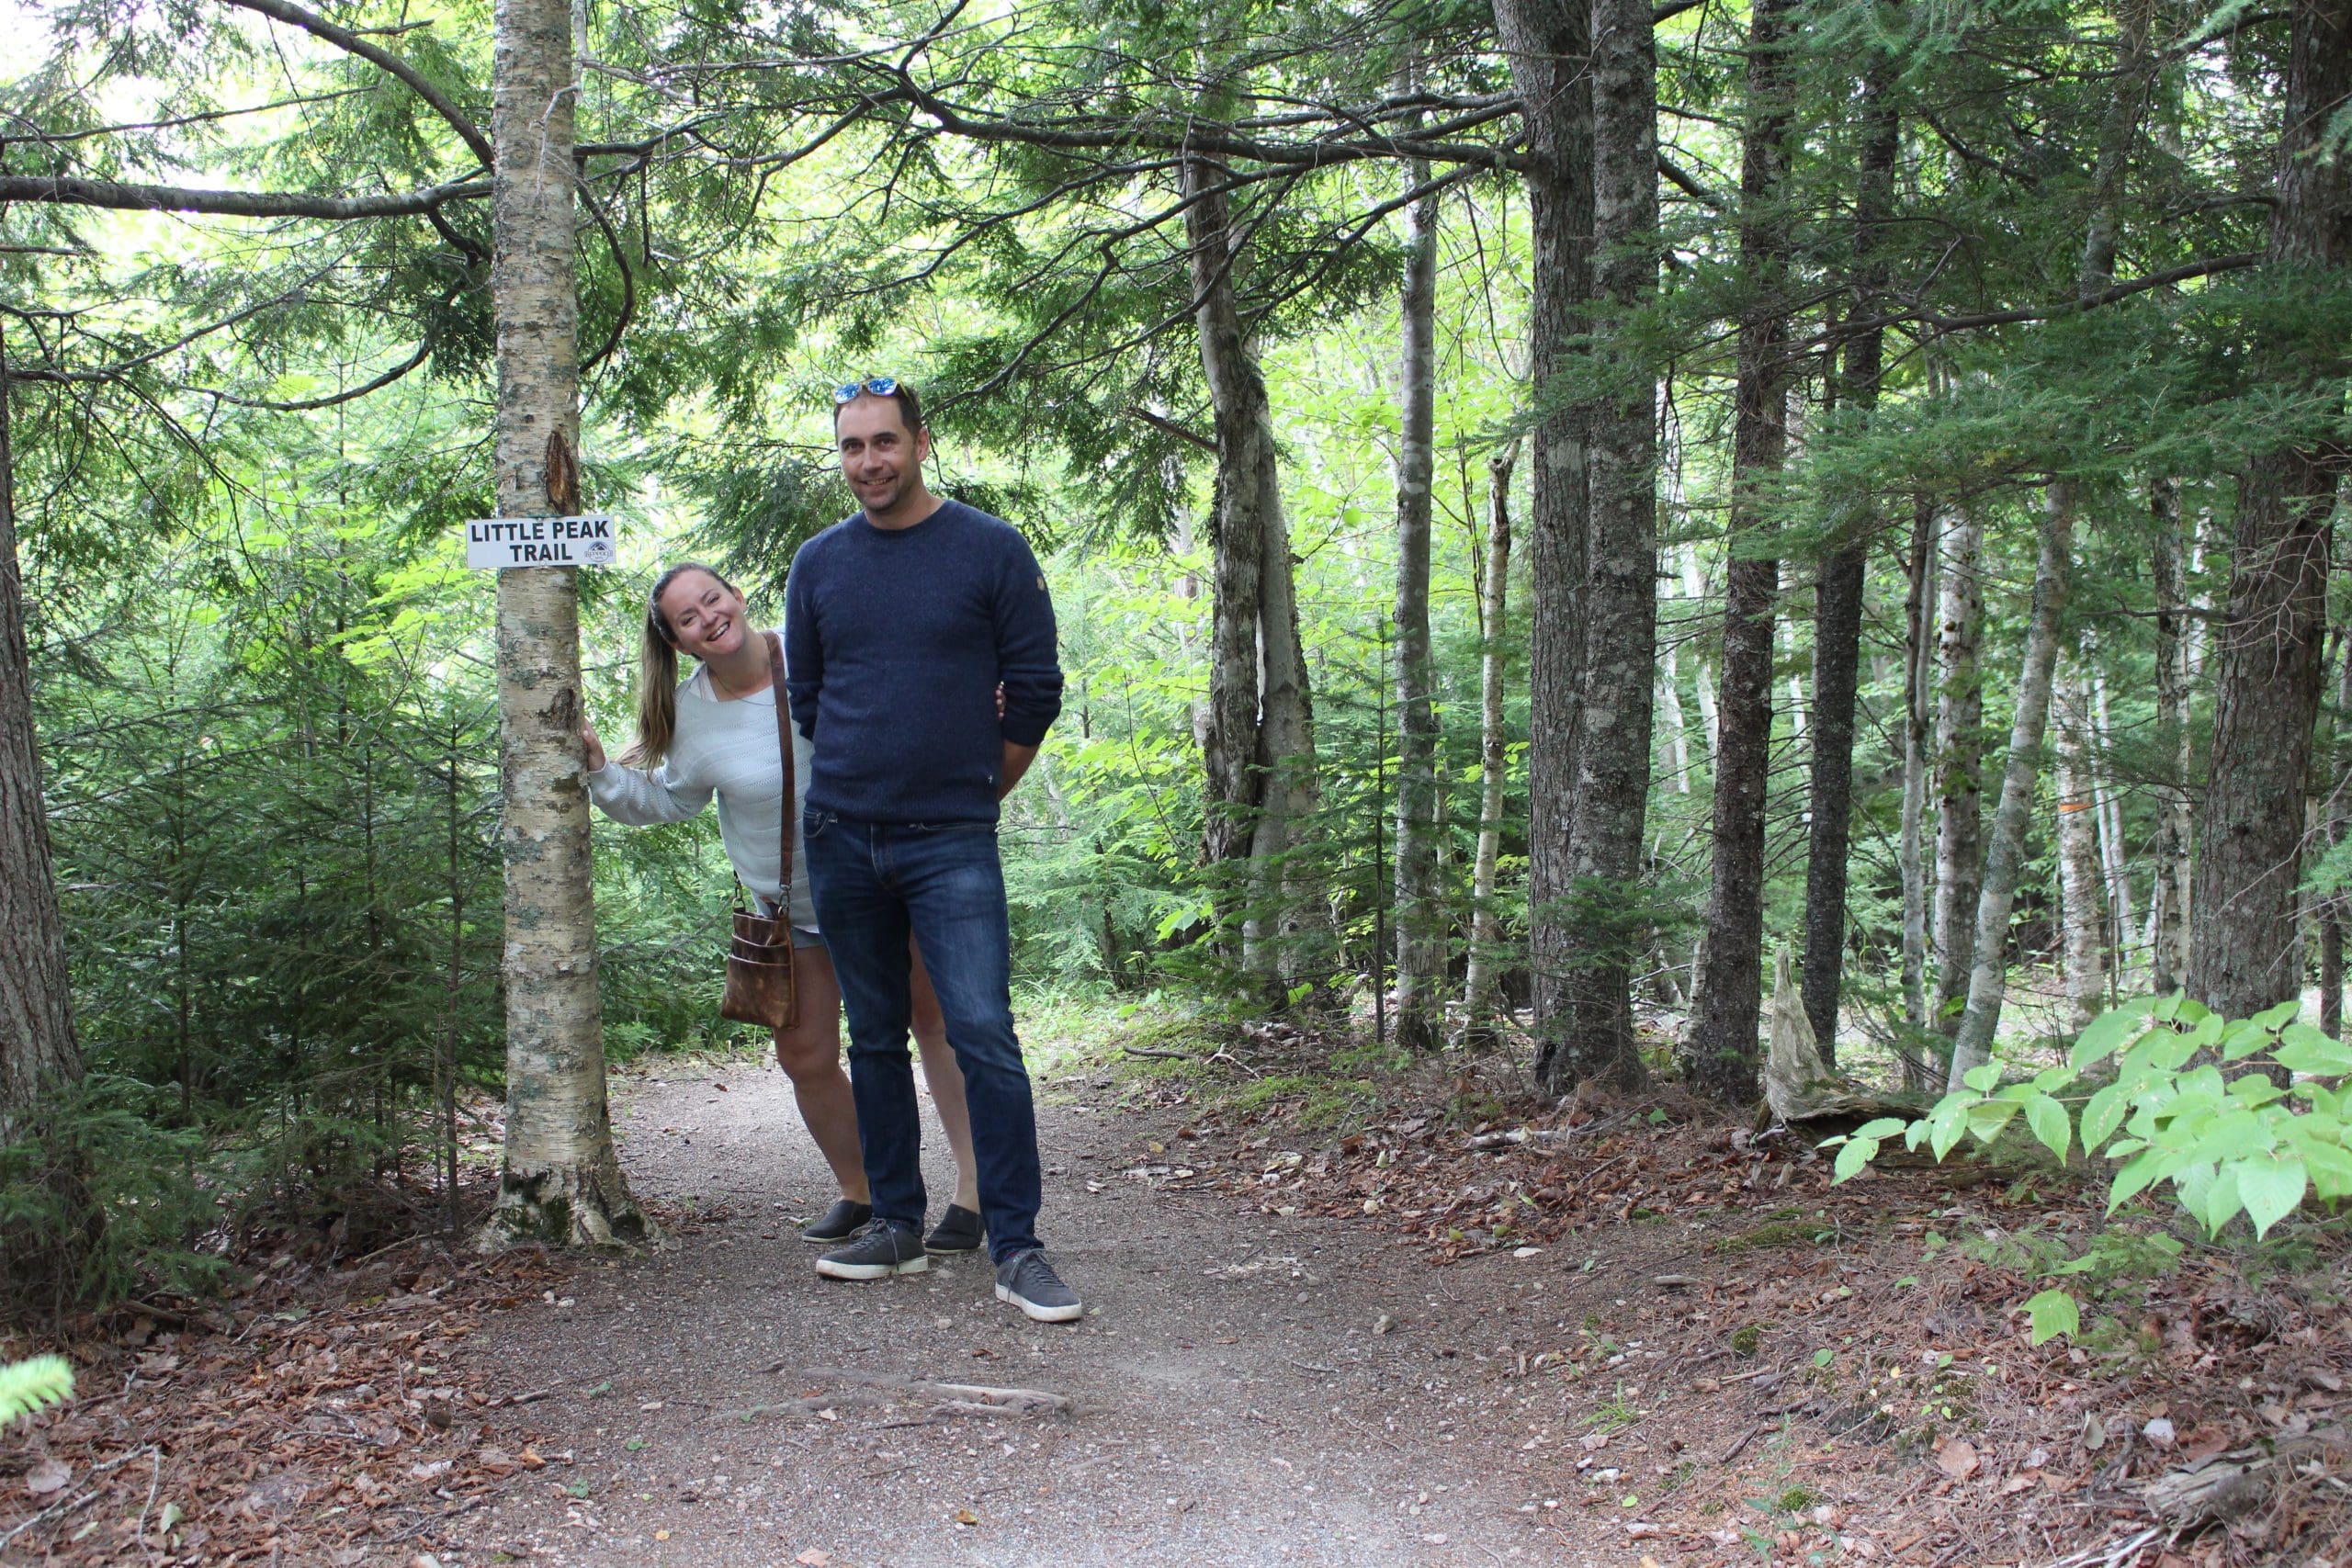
[1702,678]
[1919,665]
[37,1050]
[2246,951]
[2338,810]
[560,1182]
[1549,44]
[1420,935]
[1481,996]
[1958,766]
[2004,855]
[1730,991]
[2168,883]
[2114,860]
[2082,920]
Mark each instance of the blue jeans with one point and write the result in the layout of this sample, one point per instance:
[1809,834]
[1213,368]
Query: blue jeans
[875,881]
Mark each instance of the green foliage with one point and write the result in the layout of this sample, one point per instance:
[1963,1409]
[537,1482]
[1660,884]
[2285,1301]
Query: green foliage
[2245,1116]
[29,1385]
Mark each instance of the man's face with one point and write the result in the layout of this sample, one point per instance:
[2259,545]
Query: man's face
[880,456]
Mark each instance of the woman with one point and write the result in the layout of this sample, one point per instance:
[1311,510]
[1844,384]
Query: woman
[716,734]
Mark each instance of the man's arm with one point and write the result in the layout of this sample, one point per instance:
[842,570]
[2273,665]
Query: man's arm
[1027,660]
[804,653]
[1016,762]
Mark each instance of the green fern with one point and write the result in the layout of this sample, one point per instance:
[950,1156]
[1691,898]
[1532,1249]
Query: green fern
[27,1386]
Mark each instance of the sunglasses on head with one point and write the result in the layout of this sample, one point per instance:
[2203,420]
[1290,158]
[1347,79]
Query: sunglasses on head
[880,386]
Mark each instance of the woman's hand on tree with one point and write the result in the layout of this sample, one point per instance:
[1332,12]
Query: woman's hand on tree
[595,748]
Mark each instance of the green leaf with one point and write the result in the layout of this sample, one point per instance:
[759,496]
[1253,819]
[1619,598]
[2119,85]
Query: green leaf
[2271,1020]
[1949,1130]
[1983,1077]
[2243,1039]
[2134,1177]
[2053,1313]
[1852,1158]
[2322,1057]
[1884,1127]
[2105,1036]
[27,1386]
[2271,1188]
[2050,1124]
[2103,1116]
[1986,1119]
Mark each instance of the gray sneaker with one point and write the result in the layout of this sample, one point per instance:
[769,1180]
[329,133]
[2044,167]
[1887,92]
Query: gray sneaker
[1029,1282]
[879,1251]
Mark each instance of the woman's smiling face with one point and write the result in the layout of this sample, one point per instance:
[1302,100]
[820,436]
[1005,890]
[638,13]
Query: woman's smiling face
[705,615]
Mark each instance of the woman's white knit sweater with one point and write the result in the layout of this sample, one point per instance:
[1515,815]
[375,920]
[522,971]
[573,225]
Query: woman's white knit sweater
[727,749]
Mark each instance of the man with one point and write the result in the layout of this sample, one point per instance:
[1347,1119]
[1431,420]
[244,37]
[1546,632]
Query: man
[901,622]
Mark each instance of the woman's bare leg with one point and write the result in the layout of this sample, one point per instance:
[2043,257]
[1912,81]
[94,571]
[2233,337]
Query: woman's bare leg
[945,1078]
[810,1052]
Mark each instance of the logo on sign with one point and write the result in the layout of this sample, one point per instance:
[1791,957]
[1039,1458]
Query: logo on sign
[496,543]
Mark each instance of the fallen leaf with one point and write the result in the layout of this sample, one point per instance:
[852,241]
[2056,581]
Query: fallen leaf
[2159,1433]
[814,1558]
[1957,1458]
[966,1516]
[661,1535]
[49,1475]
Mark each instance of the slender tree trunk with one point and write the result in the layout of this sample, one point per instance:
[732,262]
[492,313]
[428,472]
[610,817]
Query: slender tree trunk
[2339,819]
[1481,996]
[2004,855]
[561,1181]
[1730,992]
[1262,762]
[1702,678]
[37,1050]
[2169,884]
[1958,766]
[1420,934]
[1549,44]
[2114,860]
[2246,951]
[2082,920]
[1837,594]
[1919,665]
[1235,782]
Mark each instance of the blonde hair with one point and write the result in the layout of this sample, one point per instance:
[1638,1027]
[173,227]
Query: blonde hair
[657,673]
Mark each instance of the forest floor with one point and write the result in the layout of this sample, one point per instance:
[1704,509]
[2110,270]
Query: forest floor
[1413,1320]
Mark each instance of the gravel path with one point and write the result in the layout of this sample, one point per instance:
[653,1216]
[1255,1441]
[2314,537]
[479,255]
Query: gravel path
[1233,1401]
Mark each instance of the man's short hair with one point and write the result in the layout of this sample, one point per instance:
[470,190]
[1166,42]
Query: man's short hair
[909,407]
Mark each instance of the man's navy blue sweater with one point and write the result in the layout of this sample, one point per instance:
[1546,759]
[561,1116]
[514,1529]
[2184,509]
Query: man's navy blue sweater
[895,640]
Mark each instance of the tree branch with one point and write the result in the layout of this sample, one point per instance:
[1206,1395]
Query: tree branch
[384,59]
[1163,423]
[68,191]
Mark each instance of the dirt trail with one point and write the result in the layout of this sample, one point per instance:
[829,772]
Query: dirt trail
[1234,1401]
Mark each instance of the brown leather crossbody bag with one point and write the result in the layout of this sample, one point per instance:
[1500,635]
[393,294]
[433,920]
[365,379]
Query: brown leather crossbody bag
[759,959]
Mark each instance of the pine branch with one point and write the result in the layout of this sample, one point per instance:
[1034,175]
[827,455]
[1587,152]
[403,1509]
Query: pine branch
[71,191]
[352,43]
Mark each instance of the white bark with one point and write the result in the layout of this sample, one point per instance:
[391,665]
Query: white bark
[2004,855]
[2082,920]
[1957,765]
[560,1182]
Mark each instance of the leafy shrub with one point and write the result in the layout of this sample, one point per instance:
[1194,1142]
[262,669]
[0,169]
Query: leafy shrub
[2243,1116]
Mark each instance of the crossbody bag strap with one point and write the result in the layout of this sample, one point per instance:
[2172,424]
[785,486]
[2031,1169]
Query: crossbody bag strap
[783,744]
